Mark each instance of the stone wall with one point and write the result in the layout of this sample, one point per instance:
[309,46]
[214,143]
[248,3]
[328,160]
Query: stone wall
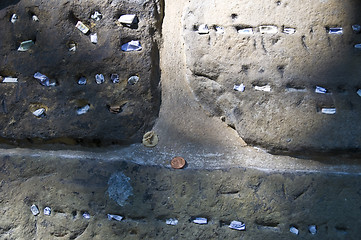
[50,55]
[300,55]
[289,60]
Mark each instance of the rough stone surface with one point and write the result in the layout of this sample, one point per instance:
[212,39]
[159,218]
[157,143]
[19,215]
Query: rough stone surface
[224,179]
[50,56]
[204,67]
[268,203]
[289,116]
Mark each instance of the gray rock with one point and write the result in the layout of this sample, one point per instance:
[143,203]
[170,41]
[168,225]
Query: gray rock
[119,188]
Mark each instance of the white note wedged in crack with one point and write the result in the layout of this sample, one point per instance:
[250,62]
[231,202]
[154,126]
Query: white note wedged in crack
[171,221]
[294,230]
[240,226]
[268,29]
[329,111]
[200,220]
[203,29]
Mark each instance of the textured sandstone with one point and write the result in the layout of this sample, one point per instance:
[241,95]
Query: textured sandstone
[289,116]
[53,34]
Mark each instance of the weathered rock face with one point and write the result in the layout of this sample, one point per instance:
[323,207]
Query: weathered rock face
[290,115]
[50,55]
[290,57]
[268,203]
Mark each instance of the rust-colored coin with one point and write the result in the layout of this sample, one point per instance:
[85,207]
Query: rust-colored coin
[178,163]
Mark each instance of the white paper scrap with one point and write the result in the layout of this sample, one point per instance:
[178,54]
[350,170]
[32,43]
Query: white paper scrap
[10,80]
[219,30]
[34,209]
[294,230]
[25,46]
[266,88]
[239,88]
[289,30]
[14,18]
[359,92]
[39,112]
[312,229]
[94,38]
[99,78]
[320,90]
[199,220]
[290,89]
[203,29]
[131,46]
[115,217]
[328,110]
[356,28]
[127,19]
[245,31]
[47,211]
[336,30]
[96,16]
[240,226]
[35,18]
[268,29]
[83,110]
[171,221]
[81,26]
